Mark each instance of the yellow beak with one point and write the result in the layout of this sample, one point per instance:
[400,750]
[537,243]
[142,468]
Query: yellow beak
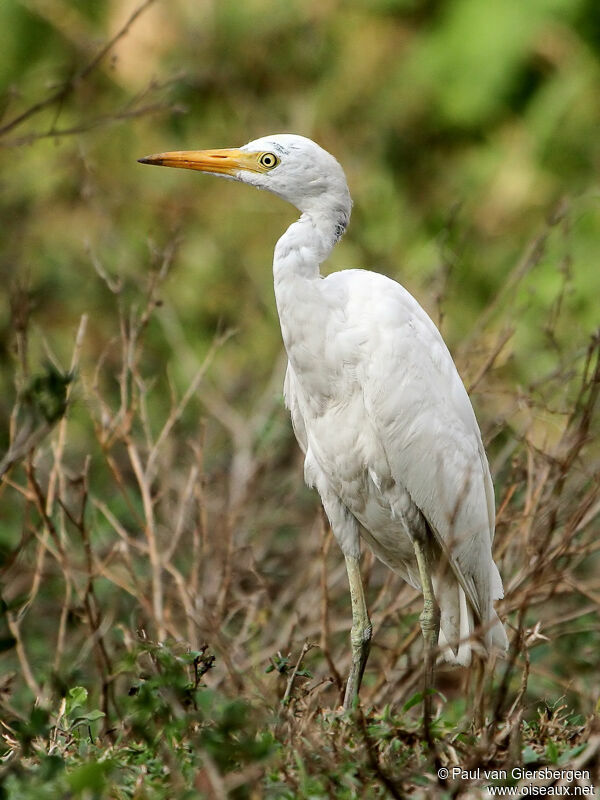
[221,162]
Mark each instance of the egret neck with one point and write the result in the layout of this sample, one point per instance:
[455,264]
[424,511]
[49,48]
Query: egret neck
[297,258]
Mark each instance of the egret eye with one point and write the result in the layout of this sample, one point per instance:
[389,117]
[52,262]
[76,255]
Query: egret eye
[268,160]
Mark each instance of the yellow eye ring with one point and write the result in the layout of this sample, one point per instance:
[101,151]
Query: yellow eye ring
[268,160]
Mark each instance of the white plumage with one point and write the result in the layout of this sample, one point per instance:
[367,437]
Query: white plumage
[390,439]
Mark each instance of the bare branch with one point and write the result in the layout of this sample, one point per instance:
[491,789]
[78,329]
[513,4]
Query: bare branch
[69,86]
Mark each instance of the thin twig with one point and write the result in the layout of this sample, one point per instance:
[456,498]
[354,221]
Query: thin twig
[288,689]
[62,92]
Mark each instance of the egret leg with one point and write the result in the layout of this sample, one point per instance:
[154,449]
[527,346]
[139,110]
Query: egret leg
[360,635]
[430,626]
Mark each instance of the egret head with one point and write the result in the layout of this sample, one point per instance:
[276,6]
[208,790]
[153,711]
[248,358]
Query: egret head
[293,167]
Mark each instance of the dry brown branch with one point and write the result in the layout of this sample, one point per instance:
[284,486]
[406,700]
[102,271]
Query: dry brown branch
[91,124]
[59,95]
[530,259]
[288,689]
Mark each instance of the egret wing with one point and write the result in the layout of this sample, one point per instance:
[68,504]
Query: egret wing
[419,409]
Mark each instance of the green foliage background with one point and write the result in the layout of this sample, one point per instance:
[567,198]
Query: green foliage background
[460,124]
[469,132]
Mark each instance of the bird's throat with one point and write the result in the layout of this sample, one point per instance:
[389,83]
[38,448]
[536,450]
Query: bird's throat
[303,248]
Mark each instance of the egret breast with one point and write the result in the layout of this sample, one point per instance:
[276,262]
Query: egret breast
[343,458]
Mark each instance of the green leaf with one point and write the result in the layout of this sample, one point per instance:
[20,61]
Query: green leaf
[418,698]
[46,394]
[529,755]
[571,753]
[76,697]
[89,776]
[94,715]
[87,719]
[552,752]
[51,766]
[413,701]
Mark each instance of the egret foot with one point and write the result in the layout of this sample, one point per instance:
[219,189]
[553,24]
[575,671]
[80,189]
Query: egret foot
[360,635]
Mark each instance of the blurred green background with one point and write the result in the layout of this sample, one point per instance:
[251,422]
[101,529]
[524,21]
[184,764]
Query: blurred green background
[462,125]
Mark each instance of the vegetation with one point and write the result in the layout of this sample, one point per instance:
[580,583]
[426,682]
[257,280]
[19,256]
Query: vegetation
[174,617]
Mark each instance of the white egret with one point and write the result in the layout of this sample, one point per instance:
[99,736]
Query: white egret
[390,438]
